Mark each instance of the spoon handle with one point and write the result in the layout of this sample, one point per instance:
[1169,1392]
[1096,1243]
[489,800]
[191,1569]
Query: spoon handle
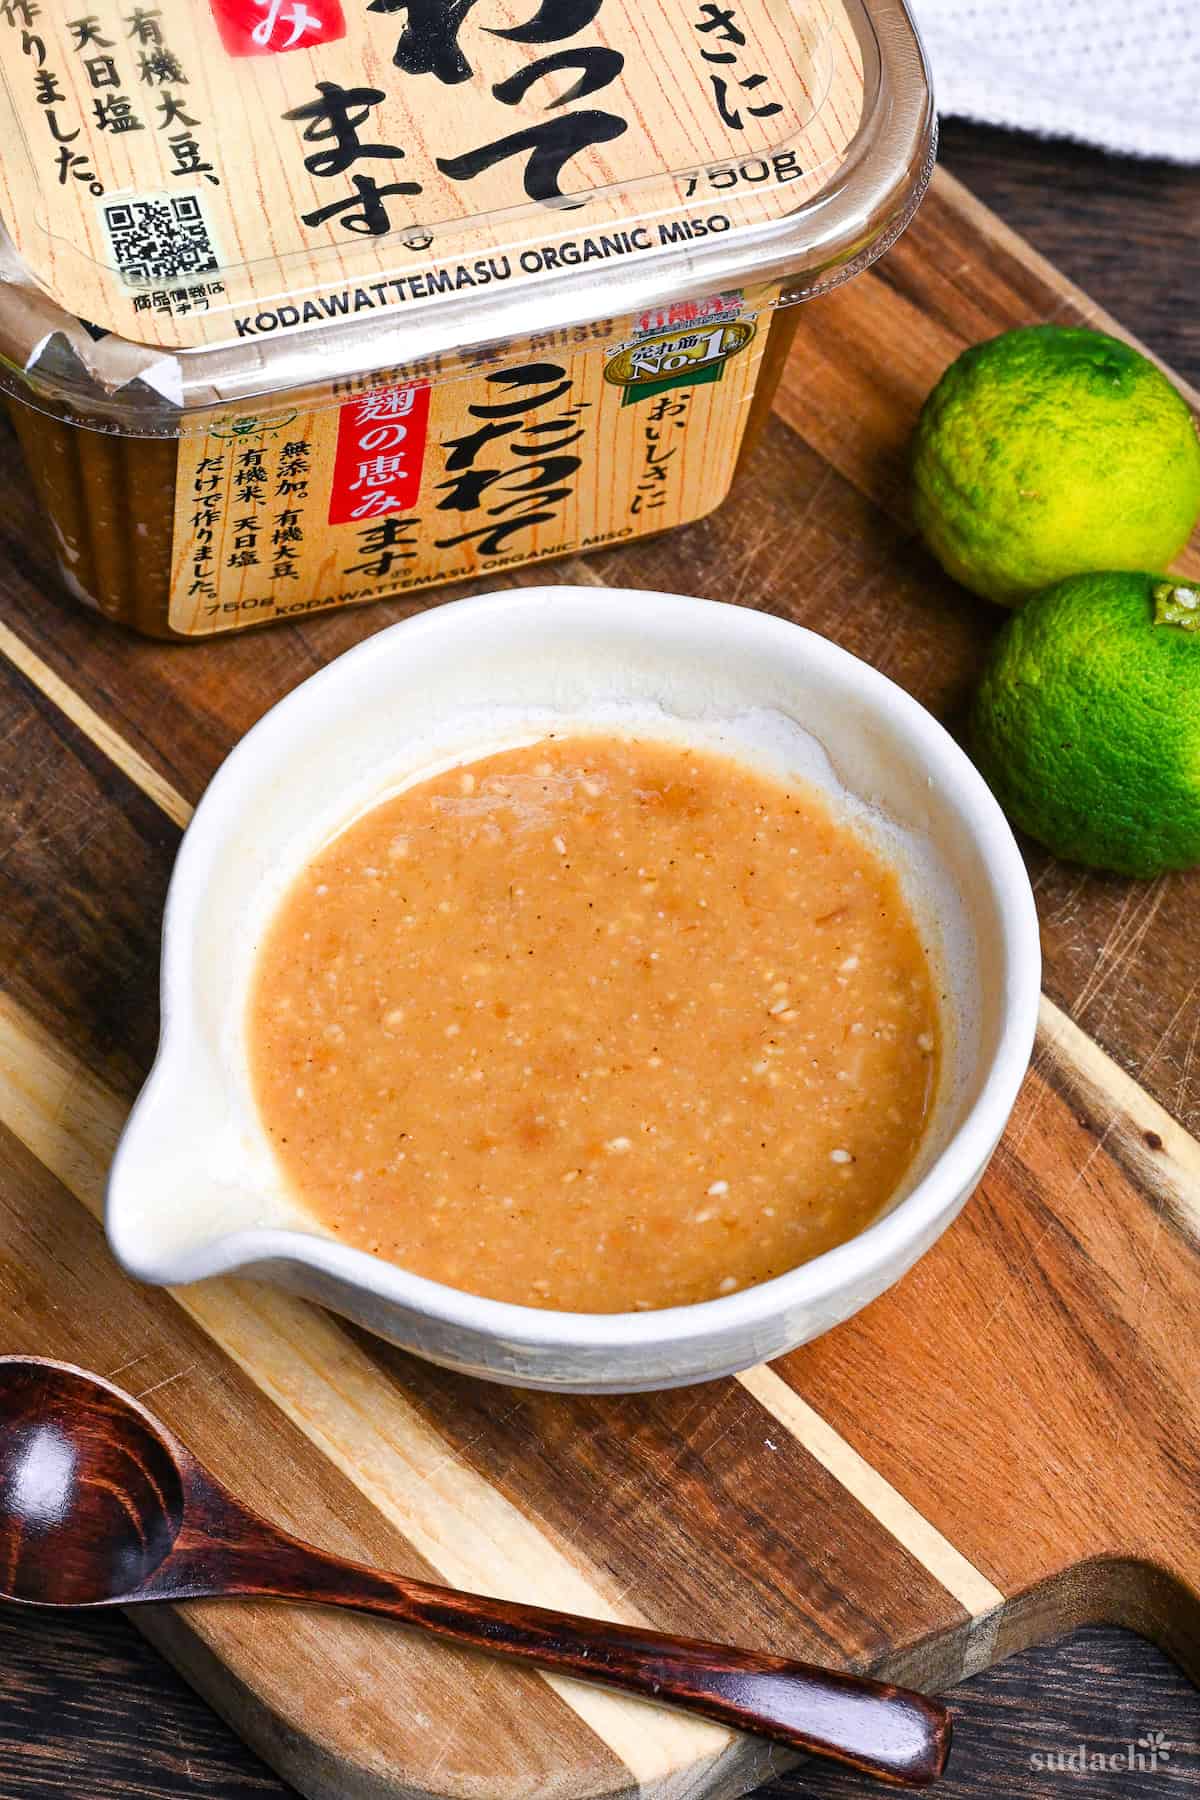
[893,1733]
[890,1732]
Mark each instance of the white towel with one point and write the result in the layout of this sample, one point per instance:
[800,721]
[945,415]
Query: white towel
[1121,73]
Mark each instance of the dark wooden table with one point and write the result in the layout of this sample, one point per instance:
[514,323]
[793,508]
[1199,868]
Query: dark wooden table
[87,1710]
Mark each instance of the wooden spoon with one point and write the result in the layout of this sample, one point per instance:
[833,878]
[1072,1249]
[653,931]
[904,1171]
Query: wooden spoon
[101,1506]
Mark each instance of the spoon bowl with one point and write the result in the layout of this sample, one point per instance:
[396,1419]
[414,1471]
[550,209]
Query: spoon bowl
[91,1496]
[101,1506]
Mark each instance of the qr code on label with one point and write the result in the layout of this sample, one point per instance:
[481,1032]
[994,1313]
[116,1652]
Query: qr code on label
[159,238]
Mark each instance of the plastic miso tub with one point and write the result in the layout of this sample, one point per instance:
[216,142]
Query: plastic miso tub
[309,302]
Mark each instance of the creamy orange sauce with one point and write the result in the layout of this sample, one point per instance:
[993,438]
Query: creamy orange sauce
[599,1024]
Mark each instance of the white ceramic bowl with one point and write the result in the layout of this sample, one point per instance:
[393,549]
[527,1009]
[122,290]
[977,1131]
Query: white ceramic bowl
[194,1189]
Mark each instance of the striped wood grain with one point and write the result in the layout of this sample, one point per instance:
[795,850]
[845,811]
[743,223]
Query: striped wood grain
[895,1496]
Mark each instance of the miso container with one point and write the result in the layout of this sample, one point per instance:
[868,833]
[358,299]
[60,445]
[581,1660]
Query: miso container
[307,302]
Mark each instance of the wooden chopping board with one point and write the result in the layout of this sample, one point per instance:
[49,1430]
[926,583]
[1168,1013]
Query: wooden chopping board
[1003,1447]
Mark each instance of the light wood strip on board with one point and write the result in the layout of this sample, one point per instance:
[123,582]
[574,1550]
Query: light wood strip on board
[974,1592]
[1164,1158]
[96,729]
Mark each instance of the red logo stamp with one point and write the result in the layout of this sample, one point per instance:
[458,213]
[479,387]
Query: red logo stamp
[688,312]
[265,27]
[380,454]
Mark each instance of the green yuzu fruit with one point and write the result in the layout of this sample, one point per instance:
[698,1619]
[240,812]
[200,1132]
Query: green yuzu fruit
[1086,724]
[1051,451]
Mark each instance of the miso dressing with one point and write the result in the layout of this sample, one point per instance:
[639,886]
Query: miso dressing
[599,1024]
